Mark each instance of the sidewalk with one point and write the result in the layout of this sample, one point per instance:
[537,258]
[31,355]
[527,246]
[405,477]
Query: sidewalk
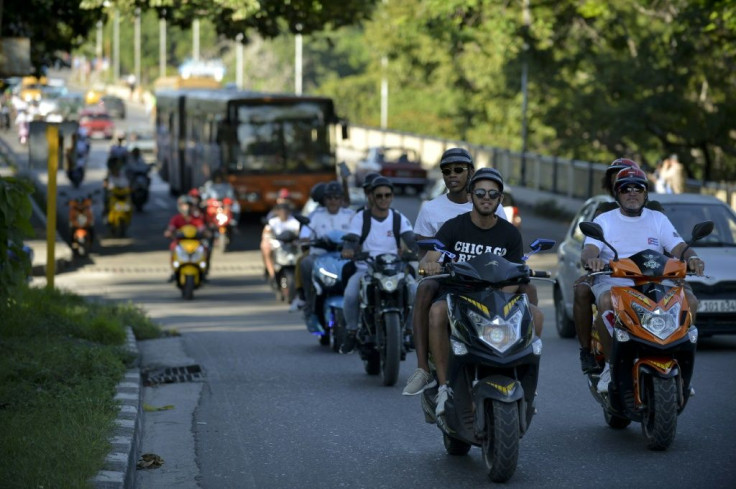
[62,252]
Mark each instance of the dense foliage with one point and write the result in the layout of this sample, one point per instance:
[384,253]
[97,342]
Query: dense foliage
[15,225]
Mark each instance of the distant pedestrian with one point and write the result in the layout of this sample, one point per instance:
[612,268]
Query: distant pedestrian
[674,174]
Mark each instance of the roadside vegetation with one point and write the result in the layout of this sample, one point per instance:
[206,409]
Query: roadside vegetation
[62,357]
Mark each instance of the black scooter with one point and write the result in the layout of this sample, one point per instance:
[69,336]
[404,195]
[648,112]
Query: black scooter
[494,359]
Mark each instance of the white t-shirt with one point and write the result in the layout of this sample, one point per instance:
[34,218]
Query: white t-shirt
[380,238]
[321,221]
[434,213]
[630,235]
[278,226]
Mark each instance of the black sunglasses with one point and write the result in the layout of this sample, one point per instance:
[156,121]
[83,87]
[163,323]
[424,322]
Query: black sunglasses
[492,194]
[456,169]
[632,189]
[383,196]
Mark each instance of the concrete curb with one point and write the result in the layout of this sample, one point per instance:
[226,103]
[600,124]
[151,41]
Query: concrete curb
[119,469]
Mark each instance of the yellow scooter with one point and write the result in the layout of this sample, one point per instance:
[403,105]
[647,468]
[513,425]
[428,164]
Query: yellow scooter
[189,260]
[120,211]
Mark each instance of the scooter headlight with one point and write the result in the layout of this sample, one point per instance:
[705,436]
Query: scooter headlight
[498,333]
[81,220]
[661,323]
[328,278]
[197,255]
[389,283]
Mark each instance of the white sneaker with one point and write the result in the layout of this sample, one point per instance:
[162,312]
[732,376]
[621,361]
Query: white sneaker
[604,379]
[418,382]
[442,394]
[296,304]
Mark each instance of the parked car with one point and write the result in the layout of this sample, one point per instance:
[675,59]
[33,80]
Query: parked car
[716,291]
[113,105]
[401,165]
[509,205]
[97,123]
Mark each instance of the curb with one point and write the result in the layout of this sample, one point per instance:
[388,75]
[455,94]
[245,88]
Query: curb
[118,471]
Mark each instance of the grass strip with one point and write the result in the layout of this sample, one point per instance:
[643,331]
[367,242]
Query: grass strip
[60,360]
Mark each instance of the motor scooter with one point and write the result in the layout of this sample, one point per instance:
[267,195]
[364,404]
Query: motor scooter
[189,260]
[653,341]
[139,184]
[494,358]
[284,252]
[219,218]
[120,211]
[82,224]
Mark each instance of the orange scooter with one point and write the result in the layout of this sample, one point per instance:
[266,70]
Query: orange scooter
[81,224]
[653,341]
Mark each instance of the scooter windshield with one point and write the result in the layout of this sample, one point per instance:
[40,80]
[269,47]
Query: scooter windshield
[490,268]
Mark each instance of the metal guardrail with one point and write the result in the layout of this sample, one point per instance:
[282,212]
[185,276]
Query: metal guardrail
[564,177]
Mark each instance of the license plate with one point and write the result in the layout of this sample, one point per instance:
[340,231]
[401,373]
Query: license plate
[725,305]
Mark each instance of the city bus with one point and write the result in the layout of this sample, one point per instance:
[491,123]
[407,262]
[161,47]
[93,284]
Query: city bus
[262,142]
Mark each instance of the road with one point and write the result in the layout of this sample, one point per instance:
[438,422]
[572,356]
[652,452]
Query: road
[279,411]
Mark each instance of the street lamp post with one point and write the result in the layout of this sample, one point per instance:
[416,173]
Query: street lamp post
[162,44]
[137,47]
[239,61]
[298,60]
[116,46]
[195,39]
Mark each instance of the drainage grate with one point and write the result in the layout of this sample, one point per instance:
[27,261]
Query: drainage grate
[172,375]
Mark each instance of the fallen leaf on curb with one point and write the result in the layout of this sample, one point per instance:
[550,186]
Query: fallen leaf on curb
[149,408]
[149,461]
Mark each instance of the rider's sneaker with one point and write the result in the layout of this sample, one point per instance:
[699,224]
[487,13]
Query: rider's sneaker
[348,344]
[604,379]
[442,394]
[418,382]
[587,361]
[296,304]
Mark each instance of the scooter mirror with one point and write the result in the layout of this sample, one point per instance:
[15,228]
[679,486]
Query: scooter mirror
[542,244]
[591,229]
[431,244]
[701,230]
[301,218]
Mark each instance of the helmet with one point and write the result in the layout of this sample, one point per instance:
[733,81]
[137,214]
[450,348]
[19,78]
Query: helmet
[486,174]
[284,193]
[456,155]
[317,193]
[630,176]
[120,134]
[182,200]
[194,193]
[619,165]
[368,179]
[381,182]
[333,188]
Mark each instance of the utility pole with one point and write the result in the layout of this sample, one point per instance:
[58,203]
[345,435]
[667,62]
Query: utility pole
[384,92]
[98,46]
[162,43]
[524,78]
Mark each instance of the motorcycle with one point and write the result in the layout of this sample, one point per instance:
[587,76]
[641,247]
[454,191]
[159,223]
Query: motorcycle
[189,260]
[139,183]
[219,218]
[119,211]
[284,252]
[75,172]
[494,358]
[654,341]
[384,309]
[81,224]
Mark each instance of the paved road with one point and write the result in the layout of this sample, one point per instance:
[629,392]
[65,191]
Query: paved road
[276,410]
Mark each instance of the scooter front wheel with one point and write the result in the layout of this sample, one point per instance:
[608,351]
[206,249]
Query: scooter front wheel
[659,423]
[501,444]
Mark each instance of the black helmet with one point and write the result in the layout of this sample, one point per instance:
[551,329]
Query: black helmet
[333,188]
[368,179]
[456,155]
[381,182]
[317,193]
[486,174]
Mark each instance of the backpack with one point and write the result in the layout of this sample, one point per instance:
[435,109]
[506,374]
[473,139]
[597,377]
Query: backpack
[367,226]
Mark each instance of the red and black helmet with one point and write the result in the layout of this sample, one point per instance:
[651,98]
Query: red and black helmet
[631,176]
[620,164]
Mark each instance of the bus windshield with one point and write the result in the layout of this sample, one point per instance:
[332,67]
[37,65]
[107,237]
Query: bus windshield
[282,138]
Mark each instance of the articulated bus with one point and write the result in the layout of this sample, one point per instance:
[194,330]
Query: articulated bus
[263,142]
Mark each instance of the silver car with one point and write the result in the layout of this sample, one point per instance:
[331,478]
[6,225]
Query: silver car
[716,291]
